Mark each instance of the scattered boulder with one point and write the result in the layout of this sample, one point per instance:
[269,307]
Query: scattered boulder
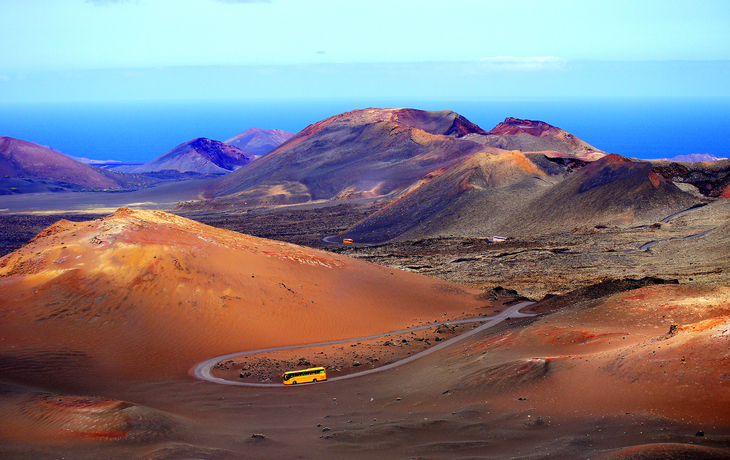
[673,330]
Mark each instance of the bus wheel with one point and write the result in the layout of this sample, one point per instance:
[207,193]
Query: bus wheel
[294,382]
[314,380]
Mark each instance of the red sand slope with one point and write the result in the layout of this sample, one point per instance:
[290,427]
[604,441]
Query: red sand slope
[662,350]
[142,295]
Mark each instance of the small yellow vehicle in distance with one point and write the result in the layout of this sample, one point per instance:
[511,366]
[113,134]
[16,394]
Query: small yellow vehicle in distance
[313,374]
[347,241]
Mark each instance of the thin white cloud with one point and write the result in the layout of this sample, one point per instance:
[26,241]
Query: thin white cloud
[244,1]
[106,2]
[524,63]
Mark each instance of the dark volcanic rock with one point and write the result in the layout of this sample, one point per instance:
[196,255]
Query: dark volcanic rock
[595,291]
[611,191]
[712,179]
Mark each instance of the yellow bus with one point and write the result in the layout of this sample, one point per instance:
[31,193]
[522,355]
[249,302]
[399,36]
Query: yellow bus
[313,374]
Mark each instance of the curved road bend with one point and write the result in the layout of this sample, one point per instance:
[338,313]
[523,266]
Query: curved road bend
[203,370]
[677,214]
[649,244]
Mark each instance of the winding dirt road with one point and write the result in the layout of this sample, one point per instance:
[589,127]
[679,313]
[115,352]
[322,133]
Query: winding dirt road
[646,246]
[203,370]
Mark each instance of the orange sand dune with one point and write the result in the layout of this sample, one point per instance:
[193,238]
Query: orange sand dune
[101,321]
[147,295]
[663,350]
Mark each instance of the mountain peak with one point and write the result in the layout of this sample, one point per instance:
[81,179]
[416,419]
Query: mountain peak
[362,153]
[201,155]
[442,122]
[538,136]
[513,126]
[22,159]
[259,141]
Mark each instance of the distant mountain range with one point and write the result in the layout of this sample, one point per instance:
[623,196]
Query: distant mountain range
[432,174]
[26,167]
[259,141]
[360,154]
[383,153]
[29,167]
[201,155]
[442,175]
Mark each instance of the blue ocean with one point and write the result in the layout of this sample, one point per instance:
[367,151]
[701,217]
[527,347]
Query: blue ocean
[141,131]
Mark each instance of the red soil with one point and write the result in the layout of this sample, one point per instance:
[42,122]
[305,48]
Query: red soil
[124,306]
[183,292]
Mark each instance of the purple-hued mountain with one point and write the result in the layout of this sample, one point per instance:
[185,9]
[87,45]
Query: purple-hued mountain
[259,141]
[26,160]
[201,155]
[538,136]
[364,153]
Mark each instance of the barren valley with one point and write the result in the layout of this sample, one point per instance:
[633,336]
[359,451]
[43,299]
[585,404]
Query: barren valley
[571,303]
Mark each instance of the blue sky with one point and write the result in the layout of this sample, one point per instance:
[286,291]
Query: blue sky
[177,49]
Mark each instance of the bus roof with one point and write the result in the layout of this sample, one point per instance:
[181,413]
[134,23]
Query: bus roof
[305,370]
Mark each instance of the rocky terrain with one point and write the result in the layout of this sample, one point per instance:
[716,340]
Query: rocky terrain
[437,175]
[104,318]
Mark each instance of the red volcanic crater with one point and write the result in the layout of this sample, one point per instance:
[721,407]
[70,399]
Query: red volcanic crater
[514,126]
[538,136]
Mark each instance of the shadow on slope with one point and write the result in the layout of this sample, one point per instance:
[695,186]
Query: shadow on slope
[474,198]
[166,293]
[611,191]
[363,153]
